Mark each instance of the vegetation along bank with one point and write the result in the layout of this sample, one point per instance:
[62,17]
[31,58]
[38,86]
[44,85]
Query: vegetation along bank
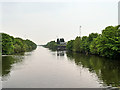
[11,45]
[106,44]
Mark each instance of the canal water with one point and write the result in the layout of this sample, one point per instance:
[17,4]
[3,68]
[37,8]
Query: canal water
[43,68]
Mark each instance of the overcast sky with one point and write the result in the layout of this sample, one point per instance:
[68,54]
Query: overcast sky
[46,20]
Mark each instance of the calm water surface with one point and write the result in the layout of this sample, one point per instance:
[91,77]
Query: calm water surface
[43,68]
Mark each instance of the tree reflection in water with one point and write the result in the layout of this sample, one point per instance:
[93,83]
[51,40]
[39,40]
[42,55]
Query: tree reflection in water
[108,71]
[7,64]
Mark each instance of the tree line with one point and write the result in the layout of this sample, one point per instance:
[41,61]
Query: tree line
[106,44]
[54,45]
[51,45]
[11,45]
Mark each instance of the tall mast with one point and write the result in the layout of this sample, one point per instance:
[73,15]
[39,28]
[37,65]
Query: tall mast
[80,30]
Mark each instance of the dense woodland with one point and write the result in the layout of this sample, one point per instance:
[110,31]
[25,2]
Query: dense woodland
[106,44]
[11,45]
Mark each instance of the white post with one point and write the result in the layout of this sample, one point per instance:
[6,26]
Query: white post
[80,30]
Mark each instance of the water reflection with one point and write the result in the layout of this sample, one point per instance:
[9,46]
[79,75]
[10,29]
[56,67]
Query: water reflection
[7,64]
[108,71]
[60,53]
[0,65]
[45,67]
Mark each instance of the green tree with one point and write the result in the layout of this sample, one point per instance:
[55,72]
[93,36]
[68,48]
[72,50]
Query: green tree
[76,44]
[19,45]
[11,45]
[84,44]
[69,45]
[7,44]
[0,44]
[51,45]
[95,44]
[110,42]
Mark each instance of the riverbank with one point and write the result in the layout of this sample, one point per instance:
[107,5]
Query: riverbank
[52,45]
[106,44]
[11,45]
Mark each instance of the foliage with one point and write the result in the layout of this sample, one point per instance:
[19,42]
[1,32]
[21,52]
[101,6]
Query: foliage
[11,45]
[70,45]
[76,44]
[89,40]
[7,44]
[106,44]
[109,43]
[51,45]
[84,44]
[94,46]
[0,44]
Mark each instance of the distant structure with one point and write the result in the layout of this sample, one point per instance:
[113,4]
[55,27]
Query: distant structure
[61,41]
[61,44]
[58,41]
[119,13]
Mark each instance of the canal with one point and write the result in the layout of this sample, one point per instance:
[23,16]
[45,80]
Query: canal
[43,68]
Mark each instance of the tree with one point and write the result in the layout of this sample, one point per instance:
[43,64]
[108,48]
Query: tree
[0,44]
[69,45]
[11,45]
[7,44]
[84,44]
[110,42]
[19,45]
[76,44]
[51,45]
[95,45]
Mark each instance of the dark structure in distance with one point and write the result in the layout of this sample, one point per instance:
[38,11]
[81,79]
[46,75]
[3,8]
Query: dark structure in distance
[61,44]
